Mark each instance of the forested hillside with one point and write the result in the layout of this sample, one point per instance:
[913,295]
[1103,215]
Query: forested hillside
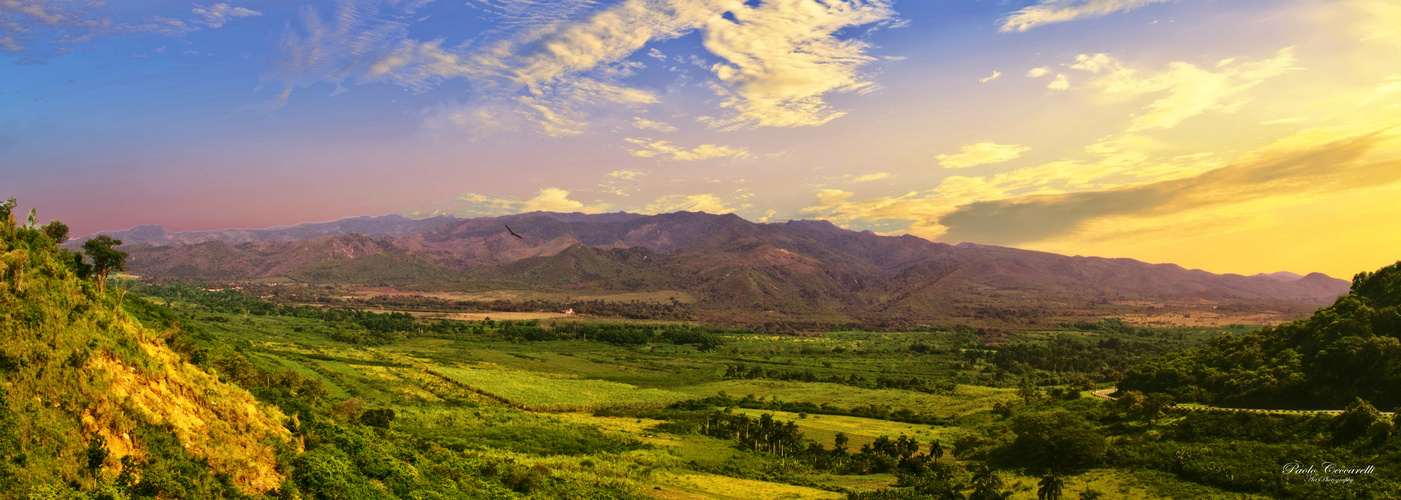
[1349,350]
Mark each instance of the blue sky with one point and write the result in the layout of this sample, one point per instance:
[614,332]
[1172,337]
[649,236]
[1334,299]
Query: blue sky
[1188,131]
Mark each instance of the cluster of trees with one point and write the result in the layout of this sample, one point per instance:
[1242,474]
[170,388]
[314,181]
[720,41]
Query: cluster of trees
[876,411]
[753,372]
[101,251]
[1351,349]
[769,435]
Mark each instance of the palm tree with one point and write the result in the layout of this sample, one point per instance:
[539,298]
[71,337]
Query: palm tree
[936,450]
[1050,488]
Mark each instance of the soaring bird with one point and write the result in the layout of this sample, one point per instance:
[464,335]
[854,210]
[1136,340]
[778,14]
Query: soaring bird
[513,233]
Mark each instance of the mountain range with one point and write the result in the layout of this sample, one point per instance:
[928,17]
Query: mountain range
[804,267]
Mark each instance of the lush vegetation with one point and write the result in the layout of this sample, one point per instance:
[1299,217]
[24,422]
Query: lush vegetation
[1351,349]
[103,386]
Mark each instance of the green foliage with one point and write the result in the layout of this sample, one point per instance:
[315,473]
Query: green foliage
[56,231]
[1351,349]
[378,417]
[1056,440]
[105,258]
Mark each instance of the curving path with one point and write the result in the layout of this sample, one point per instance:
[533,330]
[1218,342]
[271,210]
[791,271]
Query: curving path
[1105,394]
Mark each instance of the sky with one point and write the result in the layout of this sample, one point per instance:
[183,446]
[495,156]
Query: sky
[1235,136]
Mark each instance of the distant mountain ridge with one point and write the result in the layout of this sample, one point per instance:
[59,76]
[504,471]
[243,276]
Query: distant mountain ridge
[384,225]
[800,267]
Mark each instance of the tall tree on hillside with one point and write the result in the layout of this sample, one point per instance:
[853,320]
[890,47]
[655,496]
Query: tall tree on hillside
[105,259]
[56,231]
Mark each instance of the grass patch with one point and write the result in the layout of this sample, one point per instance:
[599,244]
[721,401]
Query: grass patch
[539,392]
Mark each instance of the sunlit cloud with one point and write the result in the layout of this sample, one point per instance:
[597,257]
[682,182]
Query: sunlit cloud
[648,148]
[783,56]
[1061,199]
[1059,11]
[708,203]
[872,177]
[548,200]
[994,76]
[645,124]
[1038,72]
[1061,82]
[982,153]
[625,174]
[1190,90]
[1292,167]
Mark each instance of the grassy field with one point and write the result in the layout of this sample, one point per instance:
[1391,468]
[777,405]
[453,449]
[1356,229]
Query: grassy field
[537,392]
[672,486]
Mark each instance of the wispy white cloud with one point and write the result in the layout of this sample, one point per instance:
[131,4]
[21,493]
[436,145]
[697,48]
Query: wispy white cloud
[1059,11]
[981,154]
[656,54]
[1038,72]
[779,58]
[995,75]
[1190,90]
[54,26]
[219,14]
[648,148]
[1392,85]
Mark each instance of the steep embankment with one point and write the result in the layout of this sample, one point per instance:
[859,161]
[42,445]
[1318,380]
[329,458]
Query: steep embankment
[1348,350]
[89,398]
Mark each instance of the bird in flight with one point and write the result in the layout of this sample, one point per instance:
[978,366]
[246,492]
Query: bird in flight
[513,233]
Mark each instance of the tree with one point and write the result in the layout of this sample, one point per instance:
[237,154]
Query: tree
[987,485]
[840,441]
[56,231]
[936,450]
[1355,420]
[97,452]
[105,259]
[1051,487]
[1056,439]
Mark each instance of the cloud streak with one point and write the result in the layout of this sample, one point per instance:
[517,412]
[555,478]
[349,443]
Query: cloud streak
[1059,11]
[982,153]
[1190,90]
[648,148]
[36,25]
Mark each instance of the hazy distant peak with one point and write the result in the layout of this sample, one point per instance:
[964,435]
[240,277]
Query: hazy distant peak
[1282,276]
